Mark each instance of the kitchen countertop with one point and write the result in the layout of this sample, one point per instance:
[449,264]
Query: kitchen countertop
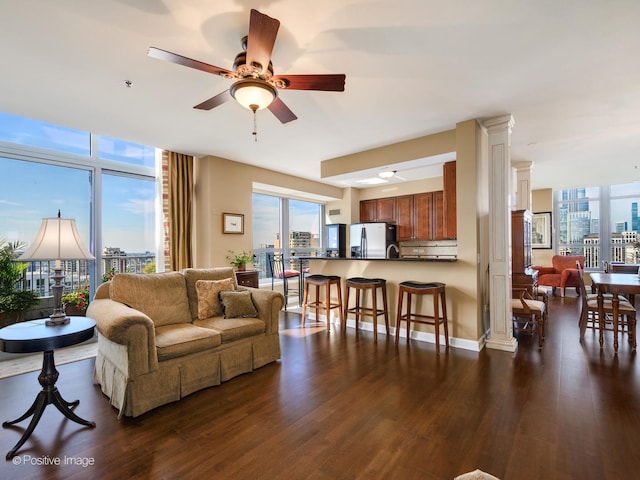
[381,259]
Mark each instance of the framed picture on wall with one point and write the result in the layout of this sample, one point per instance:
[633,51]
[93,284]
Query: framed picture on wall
[232,223]
[541,230]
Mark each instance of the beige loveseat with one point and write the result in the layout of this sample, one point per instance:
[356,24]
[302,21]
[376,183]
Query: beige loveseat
[163,336]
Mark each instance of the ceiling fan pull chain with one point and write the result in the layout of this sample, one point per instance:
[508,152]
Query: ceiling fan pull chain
[255,124]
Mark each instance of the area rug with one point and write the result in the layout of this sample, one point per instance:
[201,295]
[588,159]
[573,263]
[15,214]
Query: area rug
[25,363]
[476,475]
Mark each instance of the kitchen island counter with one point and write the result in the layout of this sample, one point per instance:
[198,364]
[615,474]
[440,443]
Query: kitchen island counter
[422,259]
[397,270]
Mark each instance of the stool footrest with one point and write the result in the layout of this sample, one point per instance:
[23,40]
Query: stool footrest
[426,319]
[365,311]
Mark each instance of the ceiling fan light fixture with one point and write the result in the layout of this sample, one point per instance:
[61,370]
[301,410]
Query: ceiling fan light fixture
[253,94]
[387,174]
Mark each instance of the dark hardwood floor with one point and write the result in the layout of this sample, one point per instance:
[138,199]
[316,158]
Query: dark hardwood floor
[341,406]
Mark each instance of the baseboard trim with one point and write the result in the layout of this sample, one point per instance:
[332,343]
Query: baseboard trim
[427,337]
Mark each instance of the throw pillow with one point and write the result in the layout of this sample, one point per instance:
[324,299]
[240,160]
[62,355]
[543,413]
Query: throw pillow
[237,304]
[208,302]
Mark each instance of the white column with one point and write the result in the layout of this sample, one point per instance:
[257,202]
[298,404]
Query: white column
[523,185]
[499,136]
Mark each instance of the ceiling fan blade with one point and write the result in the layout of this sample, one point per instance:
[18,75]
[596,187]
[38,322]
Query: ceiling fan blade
[188,62]
[327,83]
[214,101]
[281,111]
[262,35]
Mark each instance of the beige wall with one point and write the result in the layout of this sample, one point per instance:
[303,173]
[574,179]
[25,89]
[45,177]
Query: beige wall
[422,147]
[405,188]
[226,186]
[542,201]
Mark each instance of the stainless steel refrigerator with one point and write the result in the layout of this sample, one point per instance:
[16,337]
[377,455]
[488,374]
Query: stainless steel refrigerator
[371,240]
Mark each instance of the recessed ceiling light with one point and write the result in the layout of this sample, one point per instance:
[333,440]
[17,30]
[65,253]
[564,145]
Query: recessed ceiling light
[372,181]
[387,174]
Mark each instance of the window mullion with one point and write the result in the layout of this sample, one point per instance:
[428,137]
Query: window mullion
[284,227]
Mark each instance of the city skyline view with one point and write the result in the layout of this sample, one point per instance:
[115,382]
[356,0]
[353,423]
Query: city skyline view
[303,217]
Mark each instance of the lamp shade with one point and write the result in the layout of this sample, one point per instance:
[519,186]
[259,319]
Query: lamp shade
[253,94]
[57,239]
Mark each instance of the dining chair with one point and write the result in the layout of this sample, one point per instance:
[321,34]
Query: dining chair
[279,272]
[528,314]
[589,315]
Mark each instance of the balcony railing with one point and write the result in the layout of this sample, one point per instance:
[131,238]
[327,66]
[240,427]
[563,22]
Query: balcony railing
[77,273]
[292,260]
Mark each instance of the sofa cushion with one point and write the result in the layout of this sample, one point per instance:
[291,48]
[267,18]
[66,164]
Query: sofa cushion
[208,300]
[192,275]
[231,329]
[183,339]
[160,296]
[237,304]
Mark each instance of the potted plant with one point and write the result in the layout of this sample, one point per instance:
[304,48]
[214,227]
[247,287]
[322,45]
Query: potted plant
[239,260]
[108,275]
[14,301]
[76,302]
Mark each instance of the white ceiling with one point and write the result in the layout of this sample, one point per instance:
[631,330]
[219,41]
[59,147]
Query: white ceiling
[568,71]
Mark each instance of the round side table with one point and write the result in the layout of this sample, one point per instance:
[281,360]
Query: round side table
[34,336]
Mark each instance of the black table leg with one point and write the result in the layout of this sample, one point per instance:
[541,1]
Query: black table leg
[49,394]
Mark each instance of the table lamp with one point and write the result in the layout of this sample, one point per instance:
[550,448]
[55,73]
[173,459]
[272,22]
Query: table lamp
[58,240]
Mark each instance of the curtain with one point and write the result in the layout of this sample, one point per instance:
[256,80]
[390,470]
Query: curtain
[177,174]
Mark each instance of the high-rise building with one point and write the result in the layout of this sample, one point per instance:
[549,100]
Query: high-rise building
[591,250]
[617,247]
[635,219]
[578,226]
[631,252]
[572,204]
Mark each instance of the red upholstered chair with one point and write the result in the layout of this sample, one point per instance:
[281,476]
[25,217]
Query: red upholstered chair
[562,274]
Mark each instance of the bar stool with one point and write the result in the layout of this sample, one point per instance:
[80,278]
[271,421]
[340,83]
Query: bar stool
[361,285]
[322,281]
[417,288]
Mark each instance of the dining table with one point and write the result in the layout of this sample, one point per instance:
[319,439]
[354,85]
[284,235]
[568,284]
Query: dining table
[627,284]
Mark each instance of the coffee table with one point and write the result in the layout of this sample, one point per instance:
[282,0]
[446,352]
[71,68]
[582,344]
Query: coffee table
[34,336]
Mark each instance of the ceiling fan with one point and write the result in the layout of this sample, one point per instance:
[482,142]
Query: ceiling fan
[256,87]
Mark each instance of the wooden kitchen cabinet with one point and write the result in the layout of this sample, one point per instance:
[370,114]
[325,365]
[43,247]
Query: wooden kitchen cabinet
[437,219]
[428,216]
[450,228]
[368,210]
[420,216]
[378,210]
[404,218]
[386,210]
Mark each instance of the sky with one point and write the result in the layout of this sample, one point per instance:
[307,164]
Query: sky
[31,191]
[303,217]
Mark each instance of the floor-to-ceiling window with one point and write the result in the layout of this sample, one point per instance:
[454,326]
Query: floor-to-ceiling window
[287,226]
[600,223]
[107,185]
